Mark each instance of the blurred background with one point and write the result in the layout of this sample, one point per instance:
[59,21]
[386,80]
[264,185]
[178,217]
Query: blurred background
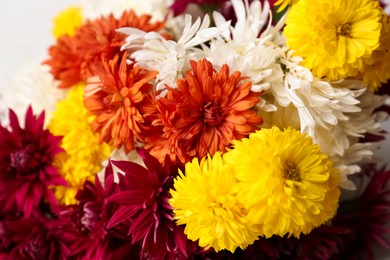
[25,31]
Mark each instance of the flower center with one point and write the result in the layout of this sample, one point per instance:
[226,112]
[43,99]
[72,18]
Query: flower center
[344,30]
[36,248]
[91,217]
[291,172]
[212,114]
[25,160]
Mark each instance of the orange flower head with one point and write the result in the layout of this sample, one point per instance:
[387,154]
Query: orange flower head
[121,101]
[204,114]
[65,62]
[94,41]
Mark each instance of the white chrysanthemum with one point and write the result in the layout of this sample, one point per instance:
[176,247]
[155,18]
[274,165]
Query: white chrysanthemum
[246,48]
[170,58]
[93,9]
[33,85]
[366,121]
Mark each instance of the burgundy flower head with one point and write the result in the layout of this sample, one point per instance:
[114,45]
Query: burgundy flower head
[37,238]
[368,217]
[26,157]
[90,217]
[144,208]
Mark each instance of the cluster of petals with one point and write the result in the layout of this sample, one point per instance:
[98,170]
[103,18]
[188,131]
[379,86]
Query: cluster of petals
[94,42]
[26,159]
[203,114]
[120,97]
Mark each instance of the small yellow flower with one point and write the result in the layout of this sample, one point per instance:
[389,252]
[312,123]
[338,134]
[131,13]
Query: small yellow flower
[335,37]
[67,21]
[204,199]
[287,185]
[378,71]
[83,155]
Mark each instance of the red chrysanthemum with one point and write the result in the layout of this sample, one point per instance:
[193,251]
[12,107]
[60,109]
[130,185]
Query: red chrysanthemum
[367,217]
[26,157]
[204,114]
[120,99]
[323,243]
[37,238]
[144,207]
[95,41]
[90,217]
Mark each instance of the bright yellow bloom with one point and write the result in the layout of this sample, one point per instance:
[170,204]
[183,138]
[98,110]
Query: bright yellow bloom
[284,3]
[205,200]
[287,185]
[378,71]
[67,21]
[335,37]
[83,155]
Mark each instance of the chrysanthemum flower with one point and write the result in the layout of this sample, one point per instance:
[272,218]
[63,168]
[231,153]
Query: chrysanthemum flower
[285,182]
[39,238]
[204,114]
[323,243]
[121,101]
[90,216]
[67,21]
[368,216]
[65,62]
[84,154]
[26,158]
[205,200]
[144,208]
[334,36]
[377,72]
[92,43]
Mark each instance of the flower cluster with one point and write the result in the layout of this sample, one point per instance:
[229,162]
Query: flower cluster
[201,129]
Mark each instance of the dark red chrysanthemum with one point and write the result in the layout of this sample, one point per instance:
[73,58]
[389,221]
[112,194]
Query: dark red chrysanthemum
[367,217]
[204,114]
[37,238]
[90,217]
[144,207]
[323,243]
[95,41]
[26,157]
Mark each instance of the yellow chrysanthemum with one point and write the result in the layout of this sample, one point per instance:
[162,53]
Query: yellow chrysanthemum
[83,155]
[287,185]
[67,21]
[205,201]
[284,3]
[378,71]
[335,37]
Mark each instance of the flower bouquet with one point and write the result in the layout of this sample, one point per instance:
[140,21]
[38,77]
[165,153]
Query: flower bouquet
[204,129]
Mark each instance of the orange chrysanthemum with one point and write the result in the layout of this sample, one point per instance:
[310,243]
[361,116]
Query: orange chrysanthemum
[204,114]
[93,41]
[65,62]
[121,101]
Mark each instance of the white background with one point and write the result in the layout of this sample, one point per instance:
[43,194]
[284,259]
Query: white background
[25,34]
